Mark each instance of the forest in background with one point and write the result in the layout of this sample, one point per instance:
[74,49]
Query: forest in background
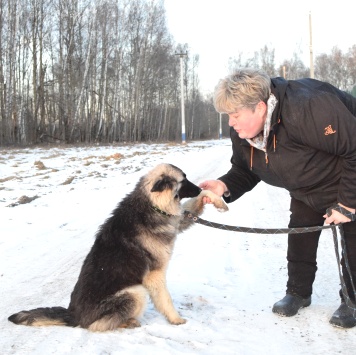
[104,71]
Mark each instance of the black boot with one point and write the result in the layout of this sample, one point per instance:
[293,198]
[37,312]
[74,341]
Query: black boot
[290,305]
[343,317]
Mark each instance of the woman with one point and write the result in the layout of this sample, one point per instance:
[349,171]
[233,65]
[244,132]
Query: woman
[298,135]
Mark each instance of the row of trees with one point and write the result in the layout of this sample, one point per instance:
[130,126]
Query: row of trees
[84,71]
[337,68]
[108,70]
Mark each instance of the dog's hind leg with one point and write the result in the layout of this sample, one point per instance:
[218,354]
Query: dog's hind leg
[130,323]
[121,310]
[155,282]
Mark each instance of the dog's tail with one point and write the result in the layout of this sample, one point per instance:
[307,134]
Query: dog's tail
[44,316]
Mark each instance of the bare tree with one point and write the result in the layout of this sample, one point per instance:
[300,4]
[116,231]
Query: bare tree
[267,60]
[263,59]
[333,68]
[9,113]
[2,78]
[293,68]
[351,65]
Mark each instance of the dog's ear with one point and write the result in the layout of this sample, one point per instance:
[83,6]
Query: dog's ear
[165,183]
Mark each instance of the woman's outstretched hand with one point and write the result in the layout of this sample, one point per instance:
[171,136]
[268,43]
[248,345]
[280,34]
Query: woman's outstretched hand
[216,186]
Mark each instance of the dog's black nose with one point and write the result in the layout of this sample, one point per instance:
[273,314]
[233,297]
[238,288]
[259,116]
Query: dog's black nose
[188,189]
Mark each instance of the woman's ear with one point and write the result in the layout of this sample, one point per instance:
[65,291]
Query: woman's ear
[261,107]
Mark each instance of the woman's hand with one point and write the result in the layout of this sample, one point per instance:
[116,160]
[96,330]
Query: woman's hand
[216,186]
[337,217]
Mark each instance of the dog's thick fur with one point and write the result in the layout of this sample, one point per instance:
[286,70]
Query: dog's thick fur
[130,256]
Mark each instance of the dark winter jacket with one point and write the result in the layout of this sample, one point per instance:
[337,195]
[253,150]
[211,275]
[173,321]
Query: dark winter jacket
[311,149]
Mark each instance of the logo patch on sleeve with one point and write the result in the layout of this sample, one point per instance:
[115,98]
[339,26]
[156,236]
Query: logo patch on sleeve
[329,130]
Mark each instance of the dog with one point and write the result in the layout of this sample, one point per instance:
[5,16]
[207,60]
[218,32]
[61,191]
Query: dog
[130,256]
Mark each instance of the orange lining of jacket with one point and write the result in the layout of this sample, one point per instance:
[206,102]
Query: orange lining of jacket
[266,156]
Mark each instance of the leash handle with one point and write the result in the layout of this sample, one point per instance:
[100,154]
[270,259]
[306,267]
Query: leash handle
[341,210]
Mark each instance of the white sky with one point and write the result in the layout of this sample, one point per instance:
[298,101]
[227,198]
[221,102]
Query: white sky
[217,30]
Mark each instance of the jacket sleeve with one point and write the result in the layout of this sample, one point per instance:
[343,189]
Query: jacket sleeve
[331,127]
[239,179]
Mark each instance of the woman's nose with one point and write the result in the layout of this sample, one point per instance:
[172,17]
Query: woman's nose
[232,121]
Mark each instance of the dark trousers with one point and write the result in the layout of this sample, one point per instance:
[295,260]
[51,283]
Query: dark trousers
[302,250]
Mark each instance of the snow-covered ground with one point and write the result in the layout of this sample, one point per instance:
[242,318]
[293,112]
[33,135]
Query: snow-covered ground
[224,283]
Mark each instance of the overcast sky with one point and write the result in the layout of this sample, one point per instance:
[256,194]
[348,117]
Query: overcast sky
[217,30]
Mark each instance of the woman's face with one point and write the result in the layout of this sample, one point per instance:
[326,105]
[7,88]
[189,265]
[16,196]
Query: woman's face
[248,123]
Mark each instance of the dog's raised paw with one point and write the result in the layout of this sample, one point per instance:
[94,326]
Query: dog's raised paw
[216,200]
[221,206]
[224,208]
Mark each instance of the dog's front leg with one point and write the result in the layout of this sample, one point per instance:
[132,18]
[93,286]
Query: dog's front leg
[155,282]
[196,206]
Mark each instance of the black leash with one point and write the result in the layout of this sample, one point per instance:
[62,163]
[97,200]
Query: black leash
[351,305]
[253,230]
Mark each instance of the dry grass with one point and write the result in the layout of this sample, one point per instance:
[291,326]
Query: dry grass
[7,179]
[116,156]
[68,181]
[23,200]
[39,165]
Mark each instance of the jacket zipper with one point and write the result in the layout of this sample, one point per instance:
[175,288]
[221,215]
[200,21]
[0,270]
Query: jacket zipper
[266,154]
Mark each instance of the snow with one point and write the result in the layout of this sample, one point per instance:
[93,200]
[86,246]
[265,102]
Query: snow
[224,283]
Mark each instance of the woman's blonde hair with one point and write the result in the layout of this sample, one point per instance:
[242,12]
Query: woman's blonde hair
[243,88]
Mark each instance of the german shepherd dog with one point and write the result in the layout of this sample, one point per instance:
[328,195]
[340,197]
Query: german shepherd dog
[130,256]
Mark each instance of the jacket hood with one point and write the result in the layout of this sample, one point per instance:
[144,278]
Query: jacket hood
[278,88]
